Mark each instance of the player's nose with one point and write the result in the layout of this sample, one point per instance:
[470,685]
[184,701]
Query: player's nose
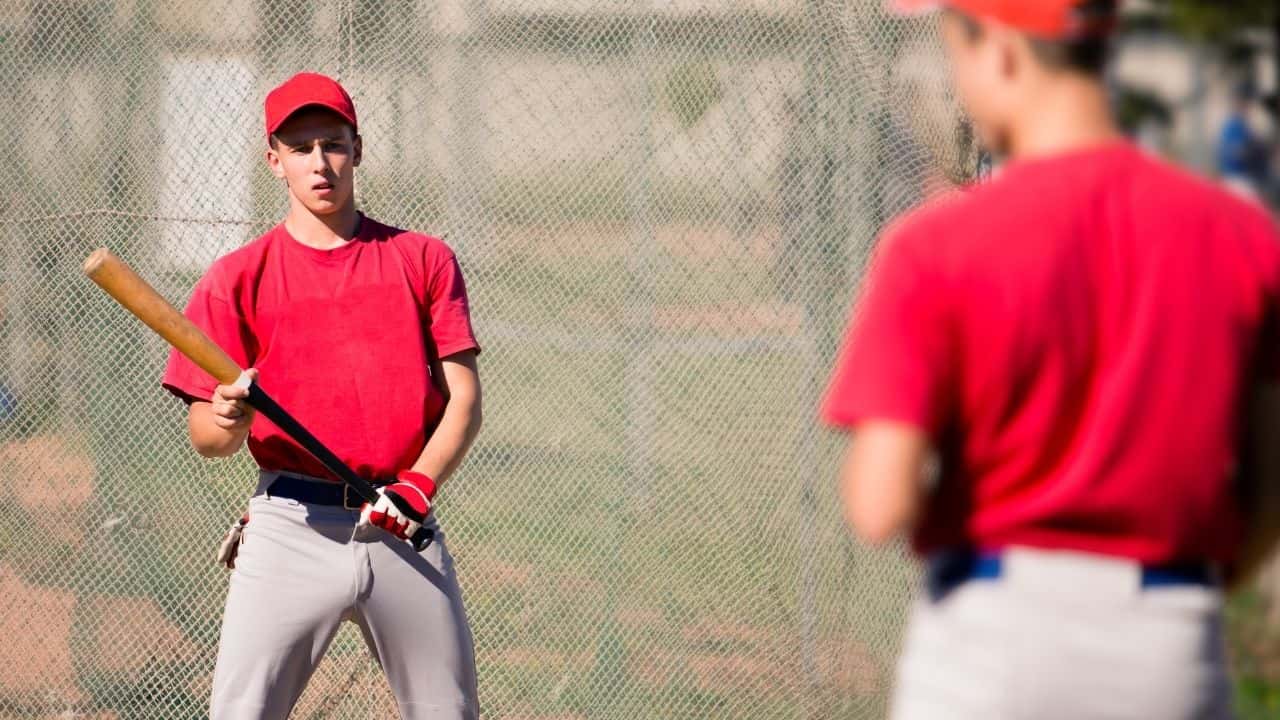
[316,158]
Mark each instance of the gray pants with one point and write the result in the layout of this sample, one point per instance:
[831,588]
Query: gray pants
[1069,636]
[300,573]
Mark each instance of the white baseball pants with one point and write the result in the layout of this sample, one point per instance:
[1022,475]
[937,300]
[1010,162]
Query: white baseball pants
[299,574]
[1066,636]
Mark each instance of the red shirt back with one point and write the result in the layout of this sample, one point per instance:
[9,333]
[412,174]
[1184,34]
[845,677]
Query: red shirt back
[1077,335]
[342,338]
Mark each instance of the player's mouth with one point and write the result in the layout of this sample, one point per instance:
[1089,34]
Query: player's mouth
[323,188]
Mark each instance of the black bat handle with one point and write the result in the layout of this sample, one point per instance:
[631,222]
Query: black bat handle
[423,537]
[264,403]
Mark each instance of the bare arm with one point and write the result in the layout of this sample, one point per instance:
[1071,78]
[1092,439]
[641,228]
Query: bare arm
[219,427]
[1260,480]
[881,481]
[461,421]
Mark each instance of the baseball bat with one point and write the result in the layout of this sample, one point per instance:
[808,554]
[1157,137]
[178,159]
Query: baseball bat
[138,297]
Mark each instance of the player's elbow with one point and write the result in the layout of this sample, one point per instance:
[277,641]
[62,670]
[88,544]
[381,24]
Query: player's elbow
[880,481]
[475,418]
[210,446]
[871,525]
[207,439]
[210,453]
[462,416]
[462,388]
[869,518]
[214,450]
[880,509]
[465,403]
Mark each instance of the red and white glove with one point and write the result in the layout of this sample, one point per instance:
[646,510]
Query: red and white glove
[415,490]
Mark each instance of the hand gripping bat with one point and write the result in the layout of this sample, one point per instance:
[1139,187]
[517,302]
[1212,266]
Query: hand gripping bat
[139,298]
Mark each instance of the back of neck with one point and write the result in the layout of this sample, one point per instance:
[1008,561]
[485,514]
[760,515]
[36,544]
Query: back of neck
[1069,114]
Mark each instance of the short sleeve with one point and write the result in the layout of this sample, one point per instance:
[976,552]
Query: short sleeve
[449,309]
[896,357]
[220,320]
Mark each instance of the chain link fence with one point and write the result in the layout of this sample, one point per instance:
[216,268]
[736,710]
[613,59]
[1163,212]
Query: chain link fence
[662,209]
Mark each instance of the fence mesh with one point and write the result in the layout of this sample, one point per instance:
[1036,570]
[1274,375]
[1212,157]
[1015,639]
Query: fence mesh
[662,209]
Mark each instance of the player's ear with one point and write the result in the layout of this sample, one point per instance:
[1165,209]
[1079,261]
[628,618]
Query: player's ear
[273,161]
[357,151]
[1011,49]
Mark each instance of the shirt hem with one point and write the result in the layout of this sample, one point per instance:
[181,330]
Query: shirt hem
[455,348]
[186,394]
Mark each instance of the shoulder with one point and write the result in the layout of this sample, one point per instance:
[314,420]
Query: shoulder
[923,222]
[1204,213]
[425,257]
[932,233]
[418,244]
[239,269]
[1198,201]
[1044,194]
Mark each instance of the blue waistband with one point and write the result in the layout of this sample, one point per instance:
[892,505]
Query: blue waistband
[947,570]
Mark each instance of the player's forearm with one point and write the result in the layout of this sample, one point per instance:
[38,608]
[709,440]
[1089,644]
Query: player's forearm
[207,438]
[882,480]
[452,438]
[460,424]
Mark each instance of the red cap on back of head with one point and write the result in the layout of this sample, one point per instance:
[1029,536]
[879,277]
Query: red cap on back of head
[303,90]
[1055,19]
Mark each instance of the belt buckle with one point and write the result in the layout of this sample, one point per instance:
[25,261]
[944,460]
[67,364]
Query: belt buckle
[348,496]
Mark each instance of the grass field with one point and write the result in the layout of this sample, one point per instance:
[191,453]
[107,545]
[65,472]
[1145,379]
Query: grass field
[1254,639]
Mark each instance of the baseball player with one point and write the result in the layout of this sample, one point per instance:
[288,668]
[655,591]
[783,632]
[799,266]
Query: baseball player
[363,331]
[1076,339]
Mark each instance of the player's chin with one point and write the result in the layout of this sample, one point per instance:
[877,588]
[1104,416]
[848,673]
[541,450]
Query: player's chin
[326,205]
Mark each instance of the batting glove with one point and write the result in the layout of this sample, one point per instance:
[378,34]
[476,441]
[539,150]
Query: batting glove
[403,506]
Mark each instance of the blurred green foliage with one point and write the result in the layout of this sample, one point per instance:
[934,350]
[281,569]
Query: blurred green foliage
[1254,640]
[1219,20]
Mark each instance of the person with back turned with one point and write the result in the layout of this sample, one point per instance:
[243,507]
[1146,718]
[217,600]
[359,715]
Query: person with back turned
[1087,344]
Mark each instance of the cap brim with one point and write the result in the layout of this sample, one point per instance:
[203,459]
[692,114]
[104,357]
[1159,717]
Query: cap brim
[307,104]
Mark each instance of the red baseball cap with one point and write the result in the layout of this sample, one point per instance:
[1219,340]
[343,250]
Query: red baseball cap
[306,89]
[1045,18]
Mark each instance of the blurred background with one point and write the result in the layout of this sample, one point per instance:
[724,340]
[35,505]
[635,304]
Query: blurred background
[1197,83]
[663,210]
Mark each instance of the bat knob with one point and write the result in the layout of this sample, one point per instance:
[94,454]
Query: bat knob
[95,260]
[422,539]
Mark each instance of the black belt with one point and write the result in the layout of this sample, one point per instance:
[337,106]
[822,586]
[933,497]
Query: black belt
[316,492]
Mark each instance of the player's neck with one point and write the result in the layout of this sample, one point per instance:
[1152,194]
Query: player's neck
[323,232]
[1068,115]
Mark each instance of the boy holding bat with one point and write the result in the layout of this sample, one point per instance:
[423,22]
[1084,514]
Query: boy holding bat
[363,331]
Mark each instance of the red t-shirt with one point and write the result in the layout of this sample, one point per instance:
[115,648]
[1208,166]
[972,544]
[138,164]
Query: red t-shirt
[342,339]
[1077,336]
